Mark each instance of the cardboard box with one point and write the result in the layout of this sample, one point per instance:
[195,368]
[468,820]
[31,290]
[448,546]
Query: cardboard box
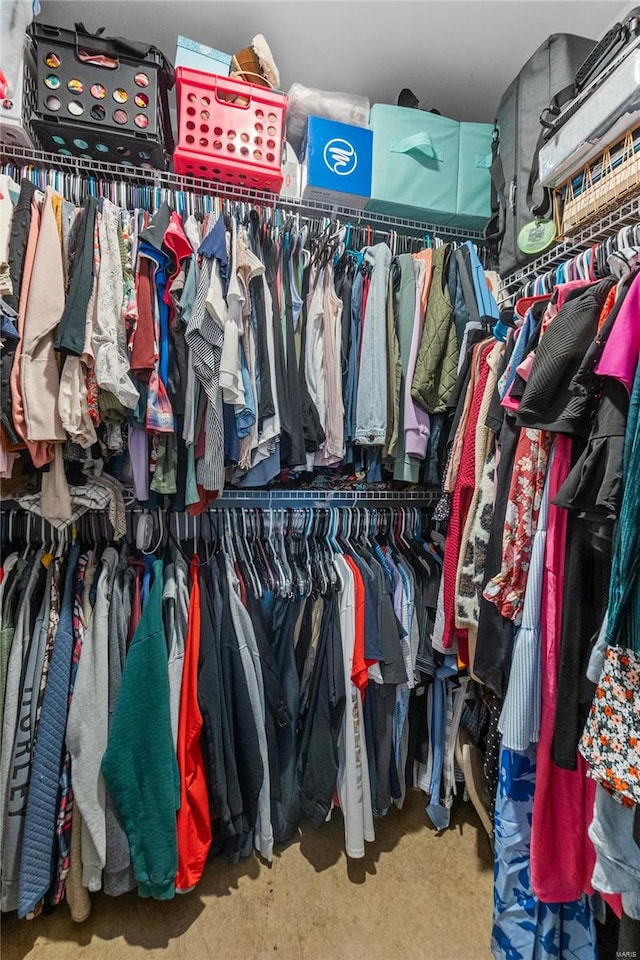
[336,163]
[292,173]
[198,56]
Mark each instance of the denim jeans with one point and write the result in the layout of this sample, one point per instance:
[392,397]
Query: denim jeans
[371,403]
[351,389]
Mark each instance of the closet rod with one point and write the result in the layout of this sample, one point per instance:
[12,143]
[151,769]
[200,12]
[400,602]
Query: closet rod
[141,176]
[627,214]
[325,498]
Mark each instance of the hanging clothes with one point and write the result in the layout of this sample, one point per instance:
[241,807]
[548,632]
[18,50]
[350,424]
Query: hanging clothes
[193,824]
[265,654]
[140,739]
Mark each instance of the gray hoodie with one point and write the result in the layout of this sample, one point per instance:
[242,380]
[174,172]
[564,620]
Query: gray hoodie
[87,728]
[117,877]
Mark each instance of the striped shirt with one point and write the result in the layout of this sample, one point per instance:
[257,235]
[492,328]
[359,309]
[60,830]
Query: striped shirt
[205,338]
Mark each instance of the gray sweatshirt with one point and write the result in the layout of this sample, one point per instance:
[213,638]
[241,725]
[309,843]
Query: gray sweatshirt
[175,614]
[87,728]
[117,877]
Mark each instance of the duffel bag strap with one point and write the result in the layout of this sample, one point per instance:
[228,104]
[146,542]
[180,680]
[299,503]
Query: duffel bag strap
[543,209]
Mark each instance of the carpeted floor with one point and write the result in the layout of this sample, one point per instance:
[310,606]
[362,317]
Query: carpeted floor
[416,896]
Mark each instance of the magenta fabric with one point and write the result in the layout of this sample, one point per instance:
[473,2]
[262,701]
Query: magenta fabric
[620,356]
[562,855]
[564,289]
[523,370]
[559,831]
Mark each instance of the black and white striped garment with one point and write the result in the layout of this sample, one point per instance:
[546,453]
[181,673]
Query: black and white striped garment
[205,338]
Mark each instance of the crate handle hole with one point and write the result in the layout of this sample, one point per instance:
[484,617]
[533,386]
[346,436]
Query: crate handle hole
[233,100]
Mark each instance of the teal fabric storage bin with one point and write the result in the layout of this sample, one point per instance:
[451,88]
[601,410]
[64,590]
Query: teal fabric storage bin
[473,206]
[415,164]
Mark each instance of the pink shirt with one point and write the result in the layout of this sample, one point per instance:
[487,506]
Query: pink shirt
[620,356]
[562,855]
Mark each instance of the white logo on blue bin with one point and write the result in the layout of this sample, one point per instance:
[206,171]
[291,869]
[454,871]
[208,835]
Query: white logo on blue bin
[340,156]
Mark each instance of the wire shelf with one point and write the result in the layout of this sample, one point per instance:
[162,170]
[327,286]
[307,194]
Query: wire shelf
[279,498]
[325,498]
[627,214]
[20,156]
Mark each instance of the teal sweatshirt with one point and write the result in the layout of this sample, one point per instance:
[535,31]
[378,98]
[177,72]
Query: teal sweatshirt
[139,765]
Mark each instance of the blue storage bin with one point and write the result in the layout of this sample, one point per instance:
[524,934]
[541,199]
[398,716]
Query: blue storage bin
[198,56]
[415,164]
[336,163]
[473,205]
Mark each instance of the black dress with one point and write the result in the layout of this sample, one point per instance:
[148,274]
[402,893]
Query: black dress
[548,402]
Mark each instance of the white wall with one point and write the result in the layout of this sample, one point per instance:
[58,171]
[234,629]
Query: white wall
[456,56]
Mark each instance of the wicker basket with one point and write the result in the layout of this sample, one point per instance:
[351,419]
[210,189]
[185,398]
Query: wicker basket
[603,184]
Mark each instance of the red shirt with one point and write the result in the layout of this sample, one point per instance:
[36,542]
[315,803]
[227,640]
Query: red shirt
[193,823]
[359,667]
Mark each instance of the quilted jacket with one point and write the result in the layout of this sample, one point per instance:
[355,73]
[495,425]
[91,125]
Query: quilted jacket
[436,367]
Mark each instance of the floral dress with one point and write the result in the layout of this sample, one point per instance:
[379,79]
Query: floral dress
[611,740]
[507,588]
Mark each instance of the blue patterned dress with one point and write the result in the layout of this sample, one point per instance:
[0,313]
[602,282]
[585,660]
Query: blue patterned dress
[523,927]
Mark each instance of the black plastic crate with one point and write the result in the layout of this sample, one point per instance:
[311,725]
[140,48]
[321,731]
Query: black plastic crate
[101,98]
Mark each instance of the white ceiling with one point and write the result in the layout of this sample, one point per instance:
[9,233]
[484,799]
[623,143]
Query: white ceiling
[456,55]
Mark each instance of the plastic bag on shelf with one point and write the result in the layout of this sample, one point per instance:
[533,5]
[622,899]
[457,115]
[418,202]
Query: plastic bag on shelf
[15,17]
[307,102]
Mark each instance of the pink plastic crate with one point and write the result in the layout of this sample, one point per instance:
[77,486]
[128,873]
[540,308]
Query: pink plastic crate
[229,131]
